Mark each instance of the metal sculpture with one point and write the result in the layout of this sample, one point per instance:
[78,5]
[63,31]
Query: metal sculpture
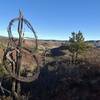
[12,65]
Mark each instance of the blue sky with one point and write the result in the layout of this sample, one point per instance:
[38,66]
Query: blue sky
[55,19]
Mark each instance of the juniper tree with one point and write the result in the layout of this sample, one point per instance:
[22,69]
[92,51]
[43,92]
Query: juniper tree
[76,45]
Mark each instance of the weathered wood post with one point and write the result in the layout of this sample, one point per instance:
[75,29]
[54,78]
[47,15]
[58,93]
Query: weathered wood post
[15,64]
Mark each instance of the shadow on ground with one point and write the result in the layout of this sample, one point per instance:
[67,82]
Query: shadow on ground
[66,83]
[63,82]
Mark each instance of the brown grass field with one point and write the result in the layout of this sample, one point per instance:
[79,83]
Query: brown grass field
[59,79]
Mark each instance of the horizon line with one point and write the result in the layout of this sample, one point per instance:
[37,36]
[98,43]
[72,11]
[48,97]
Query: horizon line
[52,39]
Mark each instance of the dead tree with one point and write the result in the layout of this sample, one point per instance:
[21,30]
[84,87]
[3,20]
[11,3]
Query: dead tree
[12,63]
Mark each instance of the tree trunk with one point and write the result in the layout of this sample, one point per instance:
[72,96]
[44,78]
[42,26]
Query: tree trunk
[19,56]
[76,58]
